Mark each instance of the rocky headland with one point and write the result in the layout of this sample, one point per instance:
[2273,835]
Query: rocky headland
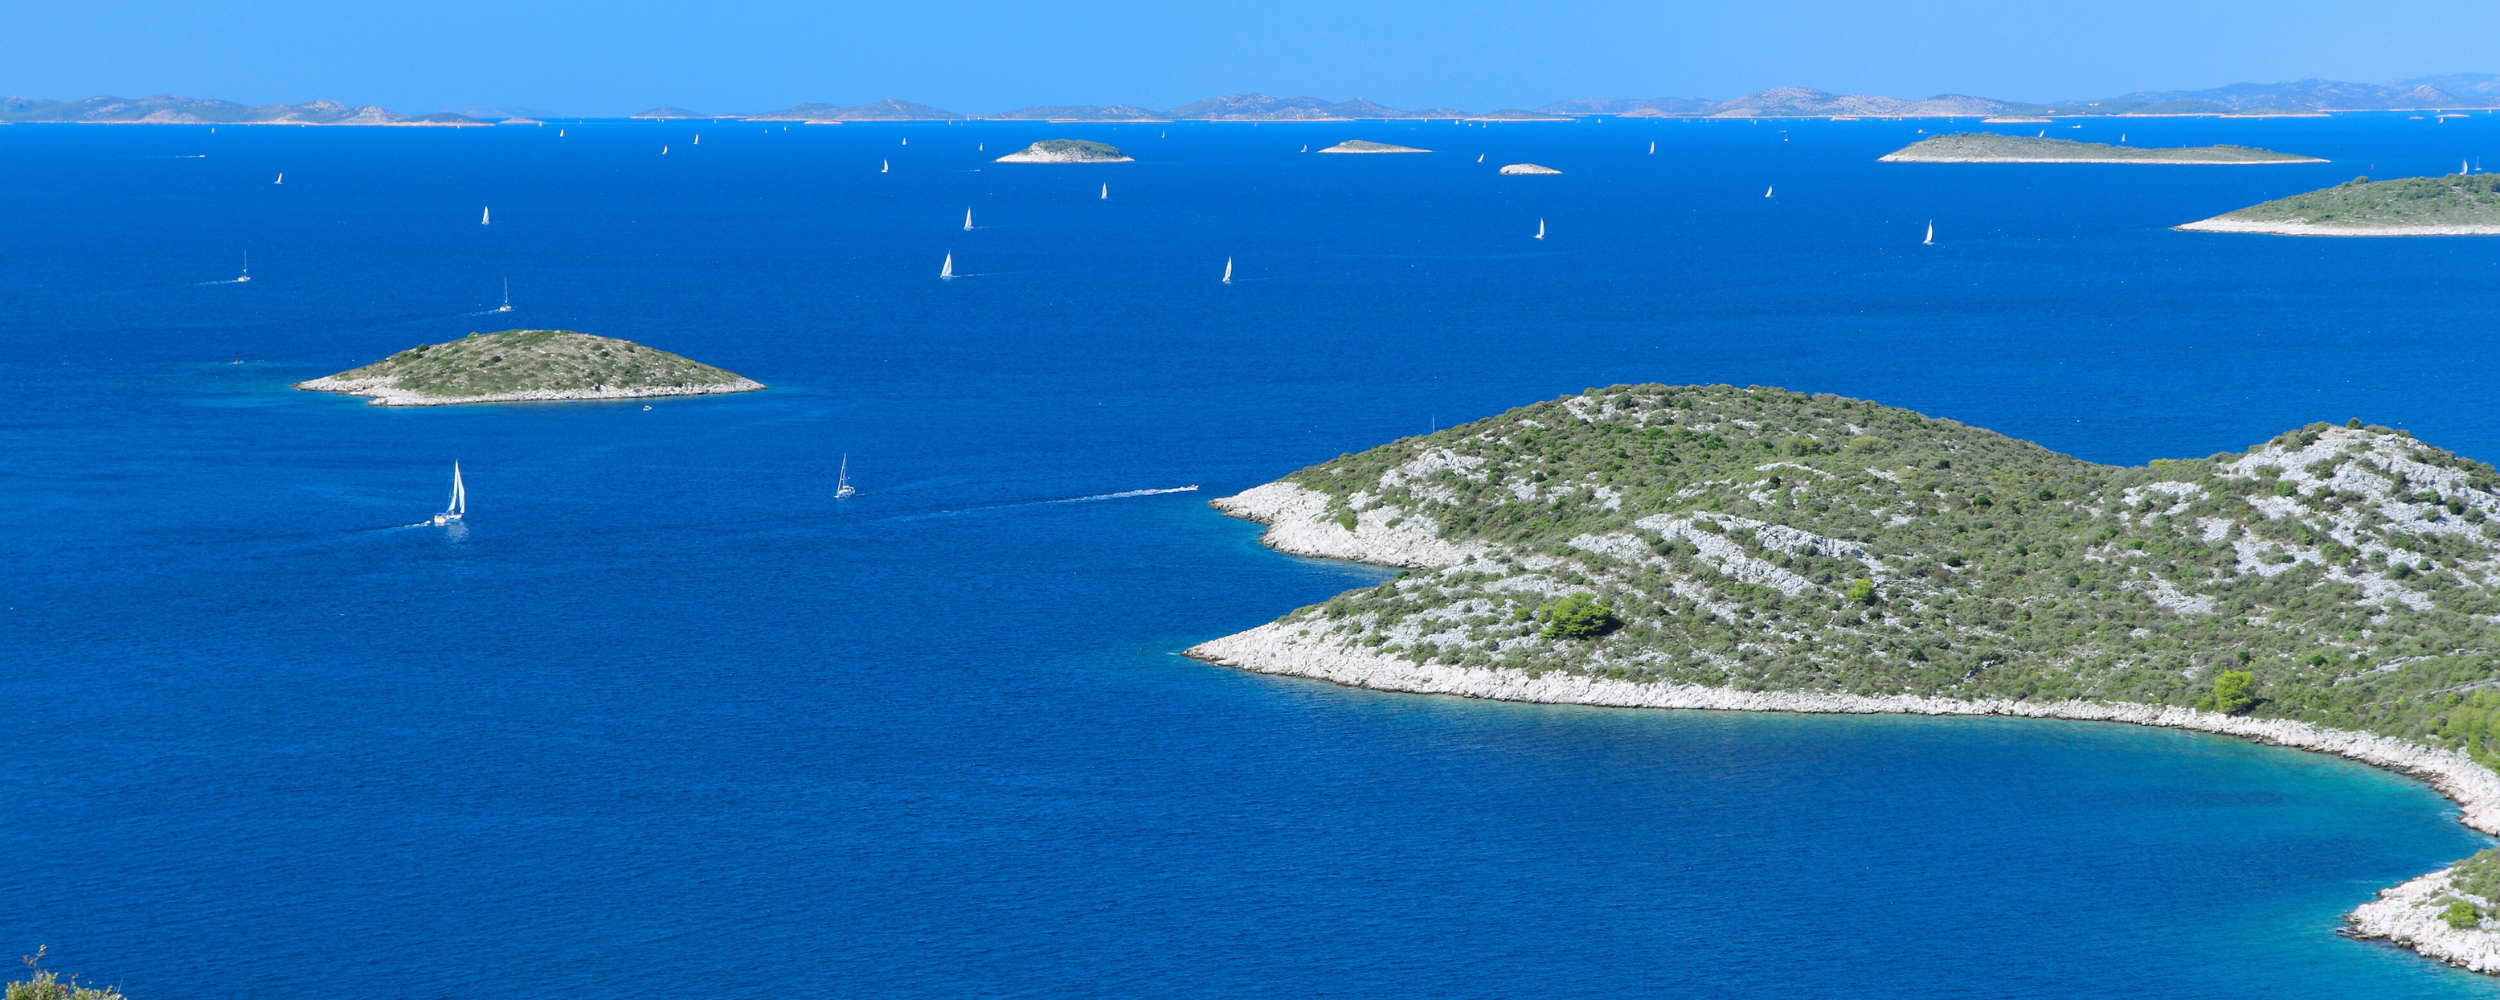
[2454,205]
[2334,589]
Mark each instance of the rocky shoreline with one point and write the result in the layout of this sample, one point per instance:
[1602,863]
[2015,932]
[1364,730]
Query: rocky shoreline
[2223,225]
[386,393]
[1300,523]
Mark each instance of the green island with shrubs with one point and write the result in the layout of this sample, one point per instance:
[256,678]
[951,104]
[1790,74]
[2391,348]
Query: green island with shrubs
[1991,147]
[1723,547]
[2454,205]
[519,365]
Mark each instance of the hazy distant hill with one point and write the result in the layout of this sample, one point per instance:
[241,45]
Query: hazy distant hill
[1081,113]
[668,114]
[2461,90]
[174,109]
[888,110]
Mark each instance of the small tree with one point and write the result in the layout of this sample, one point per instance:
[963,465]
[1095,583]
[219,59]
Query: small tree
[2235,691]
[1579,616]
[2462,915]
[1862,591]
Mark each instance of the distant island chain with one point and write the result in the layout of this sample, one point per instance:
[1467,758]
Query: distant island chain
[1715,547]
[2450,92]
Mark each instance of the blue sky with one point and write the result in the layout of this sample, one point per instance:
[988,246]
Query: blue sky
[982,56]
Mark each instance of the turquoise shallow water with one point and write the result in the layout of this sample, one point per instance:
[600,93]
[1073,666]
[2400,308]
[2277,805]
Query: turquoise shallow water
[665,715]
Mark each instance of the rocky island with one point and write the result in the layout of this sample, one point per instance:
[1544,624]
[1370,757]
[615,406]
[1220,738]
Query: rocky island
[1067,151]
[2333,589]
[1989,147]
[1366,146]
[2455,205]
[521,365]
[1518,169]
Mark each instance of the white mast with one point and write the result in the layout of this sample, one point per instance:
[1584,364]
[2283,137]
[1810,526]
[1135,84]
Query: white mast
[486,216]
[842,481]
[946,272]
[1228,270]
[1931,234]
[967,220]
[247,268]
[1540,229]
[884,166]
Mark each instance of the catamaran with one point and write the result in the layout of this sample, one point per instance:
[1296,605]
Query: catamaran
[946,271]
[459,499]
[842,481]
[1228,270]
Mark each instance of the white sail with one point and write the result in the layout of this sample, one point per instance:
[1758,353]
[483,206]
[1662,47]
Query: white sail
[1653,147]
[947,270]
[486,216]
[884,166]
[1540,229]
[247,268]
[1480,157]
[281,178]
[1931,233]
[842,481]
[459,493]
[1106,192]
[967,220]
[507,296]
[1766,192]
[1228,270]
[698,140]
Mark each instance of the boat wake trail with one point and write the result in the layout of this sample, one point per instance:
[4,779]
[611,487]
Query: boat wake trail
[1191,488]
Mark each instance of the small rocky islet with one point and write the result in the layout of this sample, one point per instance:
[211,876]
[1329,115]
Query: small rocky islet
[1068,151]
[1991,147]
[527,365]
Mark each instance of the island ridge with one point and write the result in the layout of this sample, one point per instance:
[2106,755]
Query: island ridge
[2455,205]
[1989,147]
[1067,151]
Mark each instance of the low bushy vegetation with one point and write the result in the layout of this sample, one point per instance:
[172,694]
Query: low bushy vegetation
[1768,540]
[2454,200]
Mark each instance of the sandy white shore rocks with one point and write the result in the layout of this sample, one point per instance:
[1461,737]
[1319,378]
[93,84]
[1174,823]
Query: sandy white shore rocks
[2219,224]
[1365,146]
[1528,168]
[386,393]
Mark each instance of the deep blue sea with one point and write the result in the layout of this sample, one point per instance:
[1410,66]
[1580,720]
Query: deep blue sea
[665,718]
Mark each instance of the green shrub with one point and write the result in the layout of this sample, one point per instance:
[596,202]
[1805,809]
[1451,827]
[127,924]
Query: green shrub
[1862,591]
[1579,616]
[2235,691]
[2462,915]
[48,985]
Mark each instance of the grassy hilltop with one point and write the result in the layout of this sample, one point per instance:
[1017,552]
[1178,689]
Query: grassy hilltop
[1768,540]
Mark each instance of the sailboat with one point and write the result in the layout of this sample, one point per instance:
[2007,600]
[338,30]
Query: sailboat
[1306,147]
[698,140]
[1480,157]
[486,216]
[884,165]
[2464,167]
[842,481]
[907,142]
[1106,192]
[1766,191]
[946,271]
[1931,234]
[967,220]
[281,178]
[663,151]
[247,268]
[1540,229]
[459,499]
[1228,270]
[1653,147]
[507,296]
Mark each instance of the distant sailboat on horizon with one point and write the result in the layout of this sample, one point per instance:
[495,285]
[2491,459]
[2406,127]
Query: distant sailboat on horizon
[247,268]
[281,178]
[967,220]
[842,480]
[1766,192]
[507,296]
[1653,147]
[1540,229]
[946,271]
[1106,192]
[486,216]
[1228,270]
[1931,234]
[459,507]
[885,166]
